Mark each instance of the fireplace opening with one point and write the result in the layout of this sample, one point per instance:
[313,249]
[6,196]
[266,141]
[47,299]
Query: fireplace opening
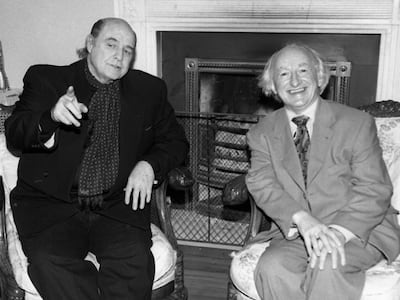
[362,50]
[212,82]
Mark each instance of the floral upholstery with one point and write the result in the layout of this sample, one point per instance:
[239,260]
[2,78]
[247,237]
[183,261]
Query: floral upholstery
[383,281]
[164,254]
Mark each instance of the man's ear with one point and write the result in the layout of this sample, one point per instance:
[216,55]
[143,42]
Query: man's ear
[89,42]
[321,79]
[273,89]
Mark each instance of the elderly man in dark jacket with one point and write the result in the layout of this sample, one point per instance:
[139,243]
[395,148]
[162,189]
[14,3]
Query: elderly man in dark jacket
[94,136]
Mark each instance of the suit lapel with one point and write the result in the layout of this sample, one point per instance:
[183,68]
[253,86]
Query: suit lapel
[284,147]
[82,88]
[133,105]
[83,91]
[321,139]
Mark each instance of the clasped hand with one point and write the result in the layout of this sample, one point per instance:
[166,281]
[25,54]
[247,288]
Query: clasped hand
[321,241]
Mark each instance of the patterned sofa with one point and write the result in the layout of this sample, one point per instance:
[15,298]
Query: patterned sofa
[383,281]
[15,283]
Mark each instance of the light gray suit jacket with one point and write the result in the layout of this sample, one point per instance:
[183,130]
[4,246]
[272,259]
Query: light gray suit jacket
[348,184]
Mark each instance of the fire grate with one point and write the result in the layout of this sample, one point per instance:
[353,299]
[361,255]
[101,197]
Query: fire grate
[218,154]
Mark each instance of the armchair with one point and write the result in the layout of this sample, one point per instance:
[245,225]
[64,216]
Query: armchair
[14,280]
[383,281]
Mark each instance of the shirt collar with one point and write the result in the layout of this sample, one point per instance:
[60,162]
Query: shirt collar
[309,112]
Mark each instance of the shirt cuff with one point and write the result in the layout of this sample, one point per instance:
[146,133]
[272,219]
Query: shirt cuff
[47,126]
[348,235]
[292,231]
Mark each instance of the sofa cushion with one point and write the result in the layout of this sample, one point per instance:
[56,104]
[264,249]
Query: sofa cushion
[389,138]
[164,254]
[389,134]
[382,280]
[242,269]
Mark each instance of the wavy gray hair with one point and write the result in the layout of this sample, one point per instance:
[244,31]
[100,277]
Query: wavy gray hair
[266,79]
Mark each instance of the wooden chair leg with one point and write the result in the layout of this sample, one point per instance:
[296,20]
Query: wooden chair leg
[232,291]
[9,287]
[180,292]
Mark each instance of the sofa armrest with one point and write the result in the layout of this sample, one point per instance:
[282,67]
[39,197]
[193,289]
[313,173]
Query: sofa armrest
[258,221]
[180,178]
[8,286]
[162,214]
[161,217]
[382,109]
[235,192]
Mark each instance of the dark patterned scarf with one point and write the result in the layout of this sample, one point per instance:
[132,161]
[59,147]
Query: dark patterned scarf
[99,167]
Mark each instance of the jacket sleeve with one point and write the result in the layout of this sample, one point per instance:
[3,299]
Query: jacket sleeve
[170,145]
[264,186]
[26,129]
[371,187]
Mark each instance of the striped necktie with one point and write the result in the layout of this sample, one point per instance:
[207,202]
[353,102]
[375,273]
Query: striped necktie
[302,142]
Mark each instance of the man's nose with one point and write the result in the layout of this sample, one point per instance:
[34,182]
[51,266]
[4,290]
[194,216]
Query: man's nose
[119,54]
[294,79]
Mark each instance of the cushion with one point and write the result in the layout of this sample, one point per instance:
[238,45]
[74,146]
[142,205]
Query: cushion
[242,269]
[389,138]
[383,281]
[164,254]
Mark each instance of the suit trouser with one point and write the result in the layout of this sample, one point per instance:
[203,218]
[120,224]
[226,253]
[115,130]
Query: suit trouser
[58,270]
[283,272]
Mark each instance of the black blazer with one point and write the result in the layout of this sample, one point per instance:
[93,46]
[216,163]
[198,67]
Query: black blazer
[148,131]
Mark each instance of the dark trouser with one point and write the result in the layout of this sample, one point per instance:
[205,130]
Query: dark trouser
[58,270]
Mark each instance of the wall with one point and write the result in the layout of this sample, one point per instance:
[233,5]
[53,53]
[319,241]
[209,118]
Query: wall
[45,31]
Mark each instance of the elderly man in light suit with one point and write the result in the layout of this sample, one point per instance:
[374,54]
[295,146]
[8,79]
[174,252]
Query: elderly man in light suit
[331,212]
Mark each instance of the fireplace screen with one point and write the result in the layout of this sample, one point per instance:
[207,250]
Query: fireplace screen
[222,103]
[231,86]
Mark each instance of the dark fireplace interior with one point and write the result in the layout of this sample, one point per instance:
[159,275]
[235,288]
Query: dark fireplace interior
[362,50]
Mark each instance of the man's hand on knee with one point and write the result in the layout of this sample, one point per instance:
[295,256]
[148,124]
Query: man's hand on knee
[139,186]
[336,251]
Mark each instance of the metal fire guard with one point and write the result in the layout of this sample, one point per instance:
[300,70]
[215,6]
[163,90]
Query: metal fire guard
[218,154]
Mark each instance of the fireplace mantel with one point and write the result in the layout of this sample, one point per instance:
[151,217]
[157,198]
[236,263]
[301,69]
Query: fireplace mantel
[147,17]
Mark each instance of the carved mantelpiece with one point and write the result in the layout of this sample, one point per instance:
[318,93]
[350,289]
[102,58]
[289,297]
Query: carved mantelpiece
[381,17]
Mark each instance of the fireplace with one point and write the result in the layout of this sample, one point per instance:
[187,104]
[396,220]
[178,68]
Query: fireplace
[367,36]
